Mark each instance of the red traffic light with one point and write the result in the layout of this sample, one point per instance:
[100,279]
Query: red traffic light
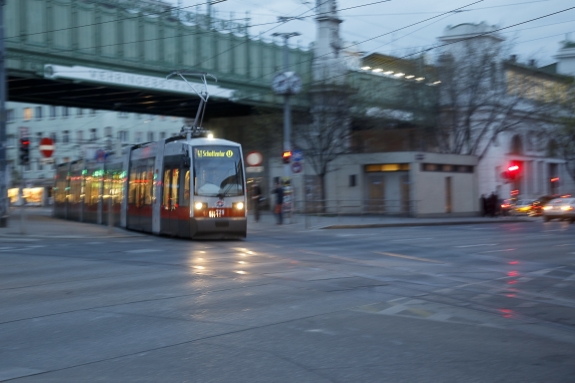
[513,171]
[286,156]
[25,142]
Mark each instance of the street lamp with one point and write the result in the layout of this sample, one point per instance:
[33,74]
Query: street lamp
[286,84]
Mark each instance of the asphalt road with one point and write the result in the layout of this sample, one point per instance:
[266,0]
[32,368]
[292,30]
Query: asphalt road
[468,303]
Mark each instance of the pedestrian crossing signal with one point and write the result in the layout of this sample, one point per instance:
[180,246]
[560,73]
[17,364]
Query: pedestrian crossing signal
[24,151]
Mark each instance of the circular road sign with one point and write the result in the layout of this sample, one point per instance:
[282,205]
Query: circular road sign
[47,147]
[254,159]
[296,167]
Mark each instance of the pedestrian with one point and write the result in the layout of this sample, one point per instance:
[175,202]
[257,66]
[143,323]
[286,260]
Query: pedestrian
[279,192]
[483,205]
[493,204]
[256,198]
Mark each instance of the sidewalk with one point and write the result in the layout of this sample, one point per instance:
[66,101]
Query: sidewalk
[38,224]
[302,222]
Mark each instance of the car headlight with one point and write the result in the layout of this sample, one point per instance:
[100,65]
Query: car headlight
[200,205]
[238,205]
[566,208]
[546,207]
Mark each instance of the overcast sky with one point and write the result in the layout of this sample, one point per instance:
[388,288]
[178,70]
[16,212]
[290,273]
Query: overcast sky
[537,39]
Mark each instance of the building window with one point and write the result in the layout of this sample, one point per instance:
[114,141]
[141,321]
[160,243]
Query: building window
[28,114]
[80,136]
[123,136]
[93,134]
[66,136]
[108,131]
[53,136]
[162,135]
[79,112]
[92,112]
[65,111]
[150,136]
[53,111]
[123,114]
[138,137]
[39,165]
[39,113]
[38,137]
[10,115]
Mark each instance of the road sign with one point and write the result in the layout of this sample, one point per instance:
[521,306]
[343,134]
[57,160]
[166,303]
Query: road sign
[296,167]
[254,159]
[47,147]
[297,155]
[24,133]
[100,155]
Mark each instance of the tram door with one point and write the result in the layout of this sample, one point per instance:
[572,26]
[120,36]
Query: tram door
[174,214]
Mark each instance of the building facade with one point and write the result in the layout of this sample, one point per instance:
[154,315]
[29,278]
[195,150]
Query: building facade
[77,134]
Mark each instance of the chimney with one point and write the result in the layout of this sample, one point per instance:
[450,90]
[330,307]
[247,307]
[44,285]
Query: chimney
[513,58]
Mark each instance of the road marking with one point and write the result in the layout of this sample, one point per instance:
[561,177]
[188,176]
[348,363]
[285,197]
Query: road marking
[479,244]
[494,251]
[408,239]
[407,257]
[143,251]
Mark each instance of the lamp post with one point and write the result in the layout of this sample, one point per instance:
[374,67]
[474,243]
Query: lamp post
[3,141]
[286,83]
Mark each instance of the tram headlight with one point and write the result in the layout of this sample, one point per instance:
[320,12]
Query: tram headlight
[200,205]
[238,205]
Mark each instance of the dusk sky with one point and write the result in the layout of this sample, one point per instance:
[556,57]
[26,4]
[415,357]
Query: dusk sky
[384,26]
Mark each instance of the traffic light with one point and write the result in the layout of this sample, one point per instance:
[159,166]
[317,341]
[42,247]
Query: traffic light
[286,156]
[513,171]
[24,151]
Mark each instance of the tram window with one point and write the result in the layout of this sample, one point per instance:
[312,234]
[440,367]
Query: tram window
[185,189]
[166,196]
[151,192]
[132,191]
[175,186]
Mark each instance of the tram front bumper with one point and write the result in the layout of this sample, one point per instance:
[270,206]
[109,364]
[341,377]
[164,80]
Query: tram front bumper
[218,227]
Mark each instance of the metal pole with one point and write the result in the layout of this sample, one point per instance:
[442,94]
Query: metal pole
[3,142]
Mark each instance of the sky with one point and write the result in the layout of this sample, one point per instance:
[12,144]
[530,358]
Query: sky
[398,27]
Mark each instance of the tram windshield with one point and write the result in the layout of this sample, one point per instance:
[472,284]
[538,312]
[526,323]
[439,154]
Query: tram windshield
[218,171]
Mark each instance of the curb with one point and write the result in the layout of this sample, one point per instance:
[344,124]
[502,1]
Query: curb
[407,224]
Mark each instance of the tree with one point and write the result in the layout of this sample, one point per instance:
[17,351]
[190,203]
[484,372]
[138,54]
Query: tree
[327,135]
[482,96]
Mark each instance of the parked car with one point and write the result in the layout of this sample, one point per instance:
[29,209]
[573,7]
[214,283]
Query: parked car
[560,208]
[522,206]
[505,206]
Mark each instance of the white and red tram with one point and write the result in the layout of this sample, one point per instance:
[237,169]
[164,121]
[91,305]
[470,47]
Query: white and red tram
[186,186]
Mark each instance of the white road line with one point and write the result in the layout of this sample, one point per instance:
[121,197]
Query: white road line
[138,251]
[479,244]
[407,257]
[494,251]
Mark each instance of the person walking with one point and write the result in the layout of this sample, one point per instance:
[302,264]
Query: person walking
[279,192]
[256,197]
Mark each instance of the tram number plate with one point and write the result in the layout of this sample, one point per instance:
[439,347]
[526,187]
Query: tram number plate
[216,213]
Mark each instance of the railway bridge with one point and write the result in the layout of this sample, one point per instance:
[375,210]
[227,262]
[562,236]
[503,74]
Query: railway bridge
[115,55]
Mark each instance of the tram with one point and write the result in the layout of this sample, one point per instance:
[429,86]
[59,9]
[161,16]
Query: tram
[190,186]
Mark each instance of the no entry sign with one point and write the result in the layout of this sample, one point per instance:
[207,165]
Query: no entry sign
[47,147]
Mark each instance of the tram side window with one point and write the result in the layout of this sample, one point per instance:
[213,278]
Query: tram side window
[175,186]
[166,196]
[185,189]
[133,185]
[150,195]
